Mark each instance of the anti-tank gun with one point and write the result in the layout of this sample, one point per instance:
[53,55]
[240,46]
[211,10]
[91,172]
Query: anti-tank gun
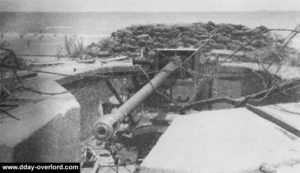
[105,127]
[165,85]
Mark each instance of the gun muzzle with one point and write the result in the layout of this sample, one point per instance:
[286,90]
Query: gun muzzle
[104,127]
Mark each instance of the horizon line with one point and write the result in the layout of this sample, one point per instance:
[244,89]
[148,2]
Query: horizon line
[245,11]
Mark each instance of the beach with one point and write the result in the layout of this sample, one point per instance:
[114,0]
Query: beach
[43,44]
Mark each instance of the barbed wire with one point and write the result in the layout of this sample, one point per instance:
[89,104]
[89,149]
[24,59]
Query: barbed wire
[256,37]
[230,56]
[211,35]
[17,67]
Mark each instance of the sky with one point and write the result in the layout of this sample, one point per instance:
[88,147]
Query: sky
[148,5]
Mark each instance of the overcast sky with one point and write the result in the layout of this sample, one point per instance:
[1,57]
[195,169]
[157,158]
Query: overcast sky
[149,5]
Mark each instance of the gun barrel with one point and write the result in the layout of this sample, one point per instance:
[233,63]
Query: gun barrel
[104,127]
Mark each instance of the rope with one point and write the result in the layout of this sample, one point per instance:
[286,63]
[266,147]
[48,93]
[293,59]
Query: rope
[156,90]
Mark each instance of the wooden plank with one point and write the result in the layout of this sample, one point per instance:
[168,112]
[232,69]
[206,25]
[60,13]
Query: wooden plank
[281,118]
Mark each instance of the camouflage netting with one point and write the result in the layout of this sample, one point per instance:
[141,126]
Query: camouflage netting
[229,36]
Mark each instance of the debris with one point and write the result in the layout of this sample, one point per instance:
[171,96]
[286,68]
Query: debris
[47,63]
[86,61]
[119,58]
[266,168]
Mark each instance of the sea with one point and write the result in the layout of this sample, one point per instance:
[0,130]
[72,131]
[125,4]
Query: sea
[107,22]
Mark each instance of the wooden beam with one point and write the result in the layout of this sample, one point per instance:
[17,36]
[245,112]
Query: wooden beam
[274,120]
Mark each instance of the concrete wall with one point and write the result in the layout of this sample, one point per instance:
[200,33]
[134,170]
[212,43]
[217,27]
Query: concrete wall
[57,141]
[89,99]
[235,82]
[48,128]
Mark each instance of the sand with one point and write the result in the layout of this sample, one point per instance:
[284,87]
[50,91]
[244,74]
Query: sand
[45,44]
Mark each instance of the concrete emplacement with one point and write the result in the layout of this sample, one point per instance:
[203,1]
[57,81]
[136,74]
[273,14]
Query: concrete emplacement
[50,137]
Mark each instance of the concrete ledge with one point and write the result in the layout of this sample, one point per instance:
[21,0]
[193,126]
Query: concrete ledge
[225,141]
